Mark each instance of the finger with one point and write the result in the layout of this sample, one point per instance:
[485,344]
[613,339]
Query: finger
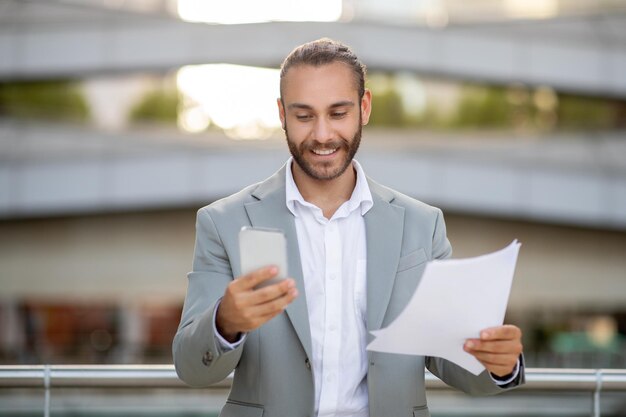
[264,313]
[237,307]
[254,278]
[261,320]
[497,368]
[276,305]
[494,346]
[496,359]
[506,331]
[271,292]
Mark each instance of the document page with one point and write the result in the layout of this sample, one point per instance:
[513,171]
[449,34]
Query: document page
[454,301]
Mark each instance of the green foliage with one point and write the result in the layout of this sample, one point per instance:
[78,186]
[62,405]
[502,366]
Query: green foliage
[499,107]
[387,109]
[157,106]
[51,100]
[482,107]
[575,112]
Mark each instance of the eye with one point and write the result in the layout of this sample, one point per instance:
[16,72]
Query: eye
[338,114]
[303,117]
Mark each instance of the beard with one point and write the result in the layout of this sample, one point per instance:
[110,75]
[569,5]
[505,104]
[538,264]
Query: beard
[325,171]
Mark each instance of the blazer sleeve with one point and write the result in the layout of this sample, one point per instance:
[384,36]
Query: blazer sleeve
[441,245]
[447,371]
[198,358]
[459,378]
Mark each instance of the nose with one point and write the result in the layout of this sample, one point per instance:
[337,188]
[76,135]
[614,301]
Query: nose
[323,130]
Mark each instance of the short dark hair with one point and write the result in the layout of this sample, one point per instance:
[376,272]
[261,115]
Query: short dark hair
[323,52]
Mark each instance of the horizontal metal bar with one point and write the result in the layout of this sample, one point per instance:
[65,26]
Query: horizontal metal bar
[164,376]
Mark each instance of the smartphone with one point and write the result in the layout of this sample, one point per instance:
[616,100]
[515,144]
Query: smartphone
[261,247]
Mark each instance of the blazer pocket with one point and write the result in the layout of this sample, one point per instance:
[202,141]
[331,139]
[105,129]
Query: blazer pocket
[421,411]
[412,259]
[239,409]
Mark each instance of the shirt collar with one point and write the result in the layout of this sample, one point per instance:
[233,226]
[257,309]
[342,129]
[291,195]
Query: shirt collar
[361,195]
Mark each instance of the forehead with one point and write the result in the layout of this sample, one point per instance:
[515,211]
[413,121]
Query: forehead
[319,86]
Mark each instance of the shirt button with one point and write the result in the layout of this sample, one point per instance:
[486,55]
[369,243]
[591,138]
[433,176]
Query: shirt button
[332,277]
[332,327]
[307,362]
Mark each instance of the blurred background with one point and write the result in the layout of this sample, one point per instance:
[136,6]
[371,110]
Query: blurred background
[120,118]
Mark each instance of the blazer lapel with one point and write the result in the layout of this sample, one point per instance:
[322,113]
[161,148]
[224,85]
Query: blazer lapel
[384,226]
[271,211]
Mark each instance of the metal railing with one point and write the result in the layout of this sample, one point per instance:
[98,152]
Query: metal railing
[46,377]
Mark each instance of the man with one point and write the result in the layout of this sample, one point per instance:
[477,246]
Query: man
[356,252]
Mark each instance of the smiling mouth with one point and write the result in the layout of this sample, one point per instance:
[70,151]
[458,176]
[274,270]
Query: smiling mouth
[324,152]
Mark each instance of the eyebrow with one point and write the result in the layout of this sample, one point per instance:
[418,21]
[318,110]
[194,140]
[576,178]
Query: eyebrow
[344,103]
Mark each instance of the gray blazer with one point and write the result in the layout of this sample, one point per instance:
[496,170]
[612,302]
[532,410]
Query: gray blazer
[273,376]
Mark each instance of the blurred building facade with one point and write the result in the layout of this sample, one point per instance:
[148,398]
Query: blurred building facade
[97,217]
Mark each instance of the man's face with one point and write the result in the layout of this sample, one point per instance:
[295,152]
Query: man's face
[323,118]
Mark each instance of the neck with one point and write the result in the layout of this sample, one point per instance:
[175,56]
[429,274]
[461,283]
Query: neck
[328,195]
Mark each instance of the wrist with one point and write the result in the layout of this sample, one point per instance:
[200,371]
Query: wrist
[228,334]
[230,337]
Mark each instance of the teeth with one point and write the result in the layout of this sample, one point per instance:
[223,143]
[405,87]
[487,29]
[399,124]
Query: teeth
[323,151]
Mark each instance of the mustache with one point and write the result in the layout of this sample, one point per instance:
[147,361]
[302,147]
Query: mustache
[314,144]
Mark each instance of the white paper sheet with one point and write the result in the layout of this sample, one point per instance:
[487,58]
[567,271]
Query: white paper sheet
[454,301]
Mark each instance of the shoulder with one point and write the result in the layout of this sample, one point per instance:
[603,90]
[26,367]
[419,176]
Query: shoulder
[271,187]
[221,220]
[424,222]
[411,206]
[226,216]
[230,204]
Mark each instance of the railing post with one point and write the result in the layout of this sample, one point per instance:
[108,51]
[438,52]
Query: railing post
[596,394]
[46,385]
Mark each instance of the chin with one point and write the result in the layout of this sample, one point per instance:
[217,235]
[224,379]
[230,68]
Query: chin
[327,173]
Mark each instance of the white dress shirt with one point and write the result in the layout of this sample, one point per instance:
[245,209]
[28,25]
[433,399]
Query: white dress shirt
[334,261]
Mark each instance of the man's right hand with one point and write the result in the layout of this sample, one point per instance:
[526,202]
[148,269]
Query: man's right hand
[243,308]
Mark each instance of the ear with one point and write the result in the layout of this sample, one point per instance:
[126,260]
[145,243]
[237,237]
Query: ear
[366,107]
[281,112]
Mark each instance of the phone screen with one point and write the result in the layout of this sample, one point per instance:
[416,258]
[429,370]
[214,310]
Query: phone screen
[260,247]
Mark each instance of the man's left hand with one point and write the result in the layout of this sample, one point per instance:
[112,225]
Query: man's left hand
[497,349]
